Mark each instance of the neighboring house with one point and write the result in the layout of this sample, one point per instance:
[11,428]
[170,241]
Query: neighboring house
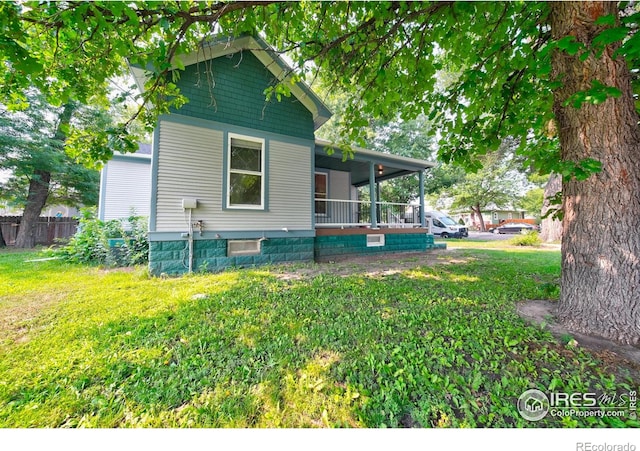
[125,185]
[492,215]
[237,180]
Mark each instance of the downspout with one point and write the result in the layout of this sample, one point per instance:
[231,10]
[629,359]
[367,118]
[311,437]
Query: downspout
[372,194]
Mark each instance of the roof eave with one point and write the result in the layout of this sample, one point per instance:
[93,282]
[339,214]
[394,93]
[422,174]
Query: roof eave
[410,163]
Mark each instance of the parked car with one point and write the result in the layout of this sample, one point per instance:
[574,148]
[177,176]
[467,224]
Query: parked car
[514,227]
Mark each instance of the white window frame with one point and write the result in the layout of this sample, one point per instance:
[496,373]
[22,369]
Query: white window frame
[253,245]
[262,173]
[375,240]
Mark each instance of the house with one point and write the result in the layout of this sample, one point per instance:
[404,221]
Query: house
[493,216]
[125,185]
[237,180]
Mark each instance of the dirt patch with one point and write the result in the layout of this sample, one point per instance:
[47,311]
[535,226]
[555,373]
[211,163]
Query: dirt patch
[17,321]
[372,265]
[540,311]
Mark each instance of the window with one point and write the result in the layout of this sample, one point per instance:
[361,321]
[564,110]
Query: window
[321,193]
[243,247]
[245,181]
[375,240]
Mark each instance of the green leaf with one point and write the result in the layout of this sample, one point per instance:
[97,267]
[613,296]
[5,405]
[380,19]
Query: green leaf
[177,61]
[570,45]
[609,19]
[597,94]
[610,35]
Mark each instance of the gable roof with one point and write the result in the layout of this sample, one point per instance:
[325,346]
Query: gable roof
[267,56]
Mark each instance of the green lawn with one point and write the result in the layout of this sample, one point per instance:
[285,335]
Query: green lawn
[431,341]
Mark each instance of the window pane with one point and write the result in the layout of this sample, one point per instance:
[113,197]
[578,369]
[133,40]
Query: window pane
[246,155]
[245,189]
[321,208]
[321,185]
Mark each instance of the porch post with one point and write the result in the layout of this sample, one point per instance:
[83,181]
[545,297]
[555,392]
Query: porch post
[372,194]
[423,221]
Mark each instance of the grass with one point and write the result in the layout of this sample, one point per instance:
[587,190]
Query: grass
[428,341]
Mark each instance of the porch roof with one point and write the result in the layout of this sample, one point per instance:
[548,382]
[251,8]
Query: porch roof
[392,165]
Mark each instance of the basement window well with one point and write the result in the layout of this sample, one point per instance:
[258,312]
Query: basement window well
[243,247]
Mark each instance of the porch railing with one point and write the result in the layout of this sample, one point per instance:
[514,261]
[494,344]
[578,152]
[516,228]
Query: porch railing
[357,213]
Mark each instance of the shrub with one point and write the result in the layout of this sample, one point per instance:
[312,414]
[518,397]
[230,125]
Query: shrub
[121,242]
[531,238]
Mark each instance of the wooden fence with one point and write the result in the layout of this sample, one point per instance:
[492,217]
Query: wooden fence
[48,229]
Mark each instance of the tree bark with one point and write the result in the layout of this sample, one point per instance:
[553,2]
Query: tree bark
[551,228]
[36,200]
[3,243]
[39,189]
[476,210]
[600,284]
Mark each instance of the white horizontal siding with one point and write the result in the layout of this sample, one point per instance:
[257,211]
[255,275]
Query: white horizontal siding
[127,188]
[190,165]
[290,184]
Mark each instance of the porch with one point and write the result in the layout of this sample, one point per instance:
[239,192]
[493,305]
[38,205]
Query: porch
[337,203]
[350,222]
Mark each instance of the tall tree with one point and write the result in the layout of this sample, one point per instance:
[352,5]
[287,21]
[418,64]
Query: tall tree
[600,270]
[31,148]
[518,68]
[495,183]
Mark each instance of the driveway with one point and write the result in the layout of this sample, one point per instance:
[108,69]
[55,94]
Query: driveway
[489,236]
[484,236]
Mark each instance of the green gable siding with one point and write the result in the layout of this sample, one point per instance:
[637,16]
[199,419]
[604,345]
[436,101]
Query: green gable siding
[239,99]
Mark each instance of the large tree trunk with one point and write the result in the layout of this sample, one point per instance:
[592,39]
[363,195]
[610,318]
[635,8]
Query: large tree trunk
[551,228]
[600,285]
[39,189]
[36,200]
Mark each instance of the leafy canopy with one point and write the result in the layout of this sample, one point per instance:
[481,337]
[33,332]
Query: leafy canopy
[480,70]
[29,147]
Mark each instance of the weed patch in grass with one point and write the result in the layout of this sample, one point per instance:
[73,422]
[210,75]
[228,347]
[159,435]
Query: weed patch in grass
[531,238]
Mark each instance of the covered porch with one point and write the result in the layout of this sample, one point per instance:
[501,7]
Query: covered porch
[347,225]
[336,182]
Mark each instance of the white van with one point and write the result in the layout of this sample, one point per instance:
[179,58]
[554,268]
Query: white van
[445,227]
